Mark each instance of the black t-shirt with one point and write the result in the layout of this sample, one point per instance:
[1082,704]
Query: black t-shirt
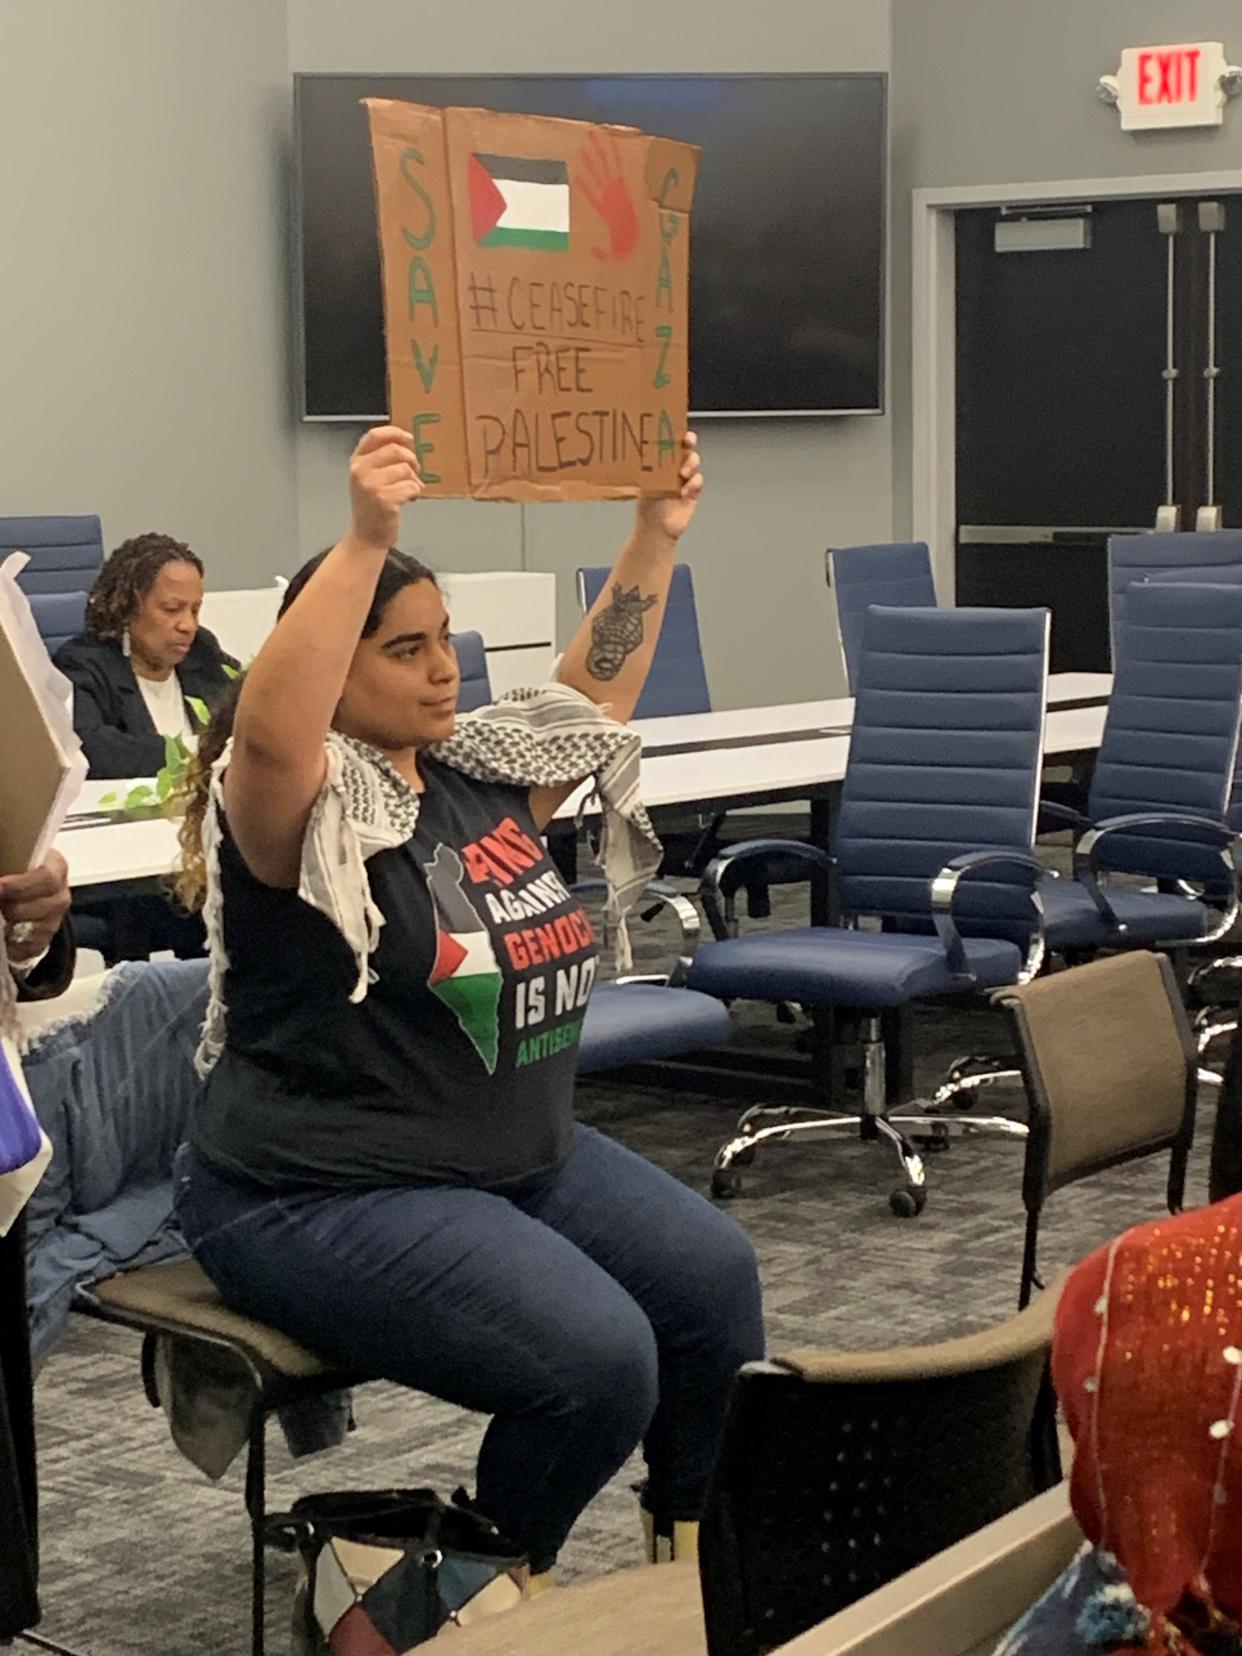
[458,1066]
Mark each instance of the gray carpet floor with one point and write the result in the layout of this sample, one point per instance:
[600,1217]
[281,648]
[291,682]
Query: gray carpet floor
[142,1556]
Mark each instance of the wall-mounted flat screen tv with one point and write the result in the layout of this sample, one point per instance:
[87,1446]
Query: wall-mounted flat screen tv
[787,232]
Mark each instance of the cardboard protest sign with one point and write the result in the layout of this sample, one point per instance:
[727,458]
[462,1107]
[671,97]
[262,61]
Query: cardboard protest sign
[535,300]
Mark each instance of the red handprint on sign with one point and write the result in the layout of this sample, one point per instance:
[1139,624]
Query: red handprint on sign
[601,182]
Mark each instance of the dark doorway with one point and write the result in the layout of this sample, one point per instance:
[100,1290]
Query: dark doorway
[1063,434]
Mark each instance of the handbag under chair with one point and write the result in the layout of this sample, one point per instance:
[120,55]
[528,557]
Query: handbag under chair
[934,843]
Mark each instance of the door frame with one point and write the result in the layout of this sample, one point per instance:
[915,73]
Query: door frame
[933,384]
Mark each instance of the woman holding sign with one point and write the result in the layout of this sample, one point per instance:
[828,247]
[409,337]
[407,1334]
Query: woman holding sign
[385,1163]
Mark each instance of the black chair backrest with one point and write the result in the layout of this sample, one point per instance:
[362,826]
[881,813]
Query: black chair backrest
[828,1488]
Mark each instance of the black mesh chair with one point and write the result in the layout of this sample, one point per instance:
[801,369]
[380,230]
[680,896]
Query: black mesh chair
[839,1472]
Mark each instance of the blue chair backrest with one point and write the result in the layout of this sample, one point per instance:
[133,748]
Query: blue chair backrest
[897,575]
[1170,740]
[1190,557]
[476,684]
[677,682]
[65,552]
[944,758]
[1222,575]
[59,616]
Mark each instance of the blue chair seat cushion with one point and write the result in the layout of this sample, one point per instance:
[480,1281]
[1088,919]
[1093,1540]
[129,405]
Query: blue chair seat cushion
[1072,921]
[828,966]
[634,1023]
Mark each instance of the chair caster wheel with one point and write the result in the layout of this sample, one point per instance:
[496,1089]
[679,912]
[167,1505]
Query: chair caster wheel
[726,1183]
[936,1143]
[908,1202]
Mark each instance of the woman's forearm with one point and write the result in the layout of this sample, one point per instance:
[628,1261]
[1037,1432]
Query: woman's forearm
[290,695]
[611,652]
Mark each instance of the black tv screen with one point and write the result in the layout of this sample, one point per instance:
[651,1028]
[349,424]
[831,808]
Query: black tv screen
[787,231]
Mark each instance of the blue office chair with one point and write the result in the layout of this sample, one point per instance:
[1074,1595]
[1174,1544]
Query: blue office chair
[1163,780]
[941,787]
[653,1017]
[1134,559]
[1222,575]
[476,684]
[897,575]
[65,552]
[1158,803]
[59,616]
[677,682]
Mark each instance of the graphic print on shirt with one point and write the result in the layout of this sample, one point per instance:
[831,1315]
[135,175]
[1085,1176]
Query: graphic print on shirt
[464,974]
[499,899]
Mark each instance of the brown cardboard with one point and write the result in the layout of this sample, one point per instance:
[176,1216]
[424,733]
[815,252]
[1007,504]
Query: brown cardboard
[34,768]
[536,278]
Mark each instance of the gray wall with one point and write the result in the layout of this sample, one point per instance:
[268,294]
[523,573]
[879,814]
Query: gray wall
[143,315]
[779,491]
[1003,91]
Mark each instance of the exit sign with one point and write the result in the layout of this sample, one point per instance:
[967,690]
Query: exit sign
[1170,86]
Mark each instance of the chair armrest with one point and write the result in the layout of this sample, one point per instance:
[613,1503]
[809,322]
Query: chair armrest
[1065,815]
[659,896]
[727,872]
[944,887]
[1087,855]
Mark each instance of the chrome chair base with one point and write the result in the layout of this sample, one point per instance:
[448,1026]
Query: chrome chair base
[939,1119]
[797,1121]
[968,1076]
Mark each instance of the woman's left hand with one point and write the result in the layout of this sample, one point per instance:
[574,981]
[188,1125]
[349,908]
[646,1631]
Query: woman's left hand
[671,514]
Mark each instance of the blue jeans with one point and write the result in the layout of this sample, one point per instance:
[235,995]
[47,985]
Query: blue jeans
[589,1310]
[113,1087]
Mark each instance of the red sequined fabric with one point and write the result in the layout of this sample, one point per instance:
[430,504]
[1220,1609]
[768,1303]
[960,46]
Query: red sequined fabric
[1147,1362]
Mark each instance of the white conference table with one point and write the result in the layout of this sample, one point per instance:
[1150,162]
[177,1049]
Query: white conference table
[743,757]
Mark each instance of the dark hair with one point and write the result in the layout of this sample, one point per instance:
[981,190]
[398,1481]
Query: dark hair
[126,578]
[399,571]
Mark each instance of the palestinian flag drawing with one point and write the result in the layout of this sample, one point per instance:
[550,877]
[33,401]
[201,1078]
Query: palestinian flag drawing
[464,974]
[519,203]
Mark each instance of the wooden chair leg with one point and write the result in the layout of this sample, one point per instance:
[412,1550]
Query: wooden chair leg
[256,1507]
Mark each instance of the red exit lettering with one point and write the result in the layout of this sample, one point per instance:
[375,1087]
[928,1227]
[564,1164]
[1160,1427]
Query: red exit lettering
[1168,77]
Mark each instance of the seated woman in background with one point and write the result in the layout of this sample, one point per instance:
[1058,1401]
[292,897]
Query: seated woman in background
[143,652]
[385,1163]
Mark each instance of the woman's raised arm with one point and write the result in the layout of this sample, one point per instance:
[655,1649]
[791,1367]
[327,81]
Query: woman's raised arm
[291,692]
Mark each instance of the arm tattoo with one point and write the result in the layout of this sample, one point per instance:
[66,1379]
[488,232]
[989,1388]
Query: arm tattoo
[617,632]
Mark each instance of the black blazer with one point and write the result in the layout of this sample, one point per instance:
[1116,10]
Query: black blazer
[118,734]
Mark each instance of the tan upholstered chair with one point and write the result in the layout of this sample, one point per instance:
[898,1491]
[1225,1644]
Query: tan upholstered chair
[1111,1073]
[179,1300]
